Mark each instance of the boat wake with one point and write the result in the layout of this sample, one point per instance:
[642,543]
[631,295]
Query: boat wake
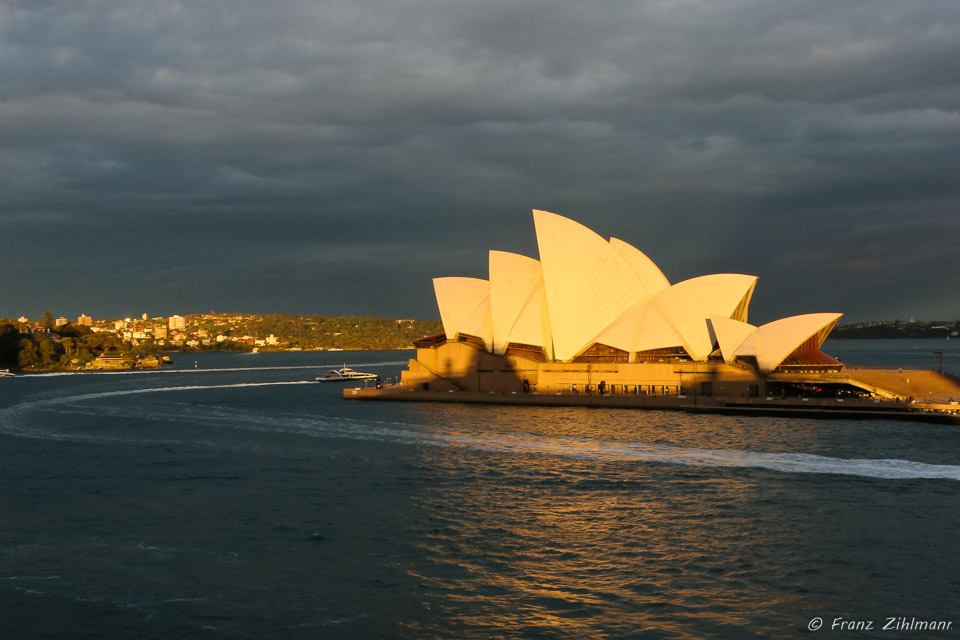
[147,372]
[223,417]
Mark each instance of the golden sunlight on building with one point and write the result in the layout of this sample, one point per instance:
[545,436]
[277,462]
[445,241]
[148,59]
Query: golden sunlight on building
[595,321]
[587,295]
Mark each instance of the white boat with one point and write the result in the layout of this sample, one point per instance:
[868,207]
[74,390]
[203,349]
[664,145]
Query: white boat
[6,373]
[346,373]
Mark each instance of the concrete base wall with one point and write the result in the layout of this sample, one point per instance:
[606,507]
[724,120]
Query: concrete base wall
[456,366]
[791,407]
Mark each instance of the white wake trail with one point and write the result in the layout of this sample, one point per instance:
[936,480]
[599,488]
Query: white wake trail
[148,372]
[508,443]
[579,448]
[8,422]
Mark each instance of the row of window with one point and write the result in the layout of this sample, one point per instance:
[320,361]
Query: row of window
[625,389]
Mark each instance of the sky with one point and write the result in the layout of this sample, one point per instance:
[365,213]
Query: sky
[332,156]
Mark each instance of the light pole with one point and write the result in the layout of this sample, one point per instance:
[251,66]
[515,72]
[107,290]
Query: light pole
[940,353]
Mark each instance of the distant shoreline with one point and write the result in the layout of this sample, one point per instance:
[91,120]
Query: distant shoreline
[896,330]
[56,344]
[137,366]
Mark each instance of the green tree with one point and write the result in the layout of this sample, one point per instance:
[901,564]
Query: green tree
[149,347]
[28,354]
[47,321]
[100,342]
[48,354]
[73,330]
[9,346]
[69,344]
[85,356]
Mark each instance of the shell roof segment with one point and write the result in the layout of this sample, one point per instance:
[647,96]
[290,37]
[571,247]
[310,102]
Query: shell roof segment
[588,283]
[518,302]
[771,343]
[649,277]
[677,316]
[465,307]
[730,334]
[688,304]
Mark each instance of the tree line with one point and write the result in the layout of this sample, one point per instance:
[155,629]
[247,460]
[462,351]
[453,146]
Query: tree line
[325,332]
[67,347]
[73,346]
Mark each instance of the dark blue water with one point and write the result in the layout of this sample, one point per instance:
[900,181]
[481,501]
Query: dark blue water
[906,353]
[242,500]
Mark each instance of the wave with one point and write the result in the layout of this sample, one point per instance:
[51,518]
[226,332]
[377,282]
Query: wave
[610,451]
[147,372]
[8,422]
[489,441]
[783,462]
[129,392]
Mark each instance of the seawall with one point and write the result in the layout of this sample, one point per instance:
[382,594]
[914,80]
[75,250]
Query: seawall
[789,407]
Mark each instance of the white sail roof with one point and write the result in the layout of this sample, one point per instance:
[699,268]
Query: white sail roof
[677,316]
[588,284]
[465,307]
[518,303]
[771,343]
[649,277]
[641,328]
[688,304]
[586,290]
[730,334]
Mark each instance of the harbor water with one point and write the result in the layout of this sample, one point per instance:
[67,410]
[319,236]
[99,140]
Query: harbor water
[231,496]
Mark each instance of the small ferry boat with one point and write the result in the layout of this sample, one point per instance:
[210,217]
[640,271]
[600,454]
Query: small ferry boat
[6,373]
[346,373]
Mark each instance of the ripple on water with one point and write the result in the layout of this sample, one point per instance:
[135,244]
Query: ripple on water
[200,508]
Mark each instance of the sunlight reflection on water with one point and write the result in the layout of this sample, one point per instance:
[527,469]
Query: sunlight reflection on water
[240,502]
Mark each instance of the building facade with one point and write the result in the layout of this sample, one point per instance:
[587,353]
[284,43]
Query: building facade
[595,315]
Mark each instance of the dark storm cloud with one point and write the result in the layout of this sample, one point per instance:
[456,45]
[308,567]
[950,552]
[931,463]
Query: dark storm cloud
[331,157]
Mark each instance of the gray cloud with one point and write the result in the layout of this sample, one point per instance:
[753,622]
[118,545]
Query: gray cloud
[331,157]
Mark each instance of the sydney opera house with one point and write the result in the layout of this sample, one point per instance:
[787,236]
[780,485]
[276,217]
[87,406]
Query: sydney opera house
[595,321]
